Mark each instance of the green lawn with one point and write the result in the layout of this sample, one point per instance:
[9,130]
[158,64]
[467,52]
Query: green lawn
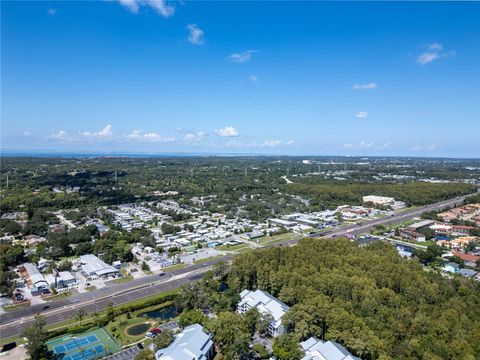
[58,296]
[123,279]
[207,259]
[16,306]
[232,248]
[174,267]
[280,238]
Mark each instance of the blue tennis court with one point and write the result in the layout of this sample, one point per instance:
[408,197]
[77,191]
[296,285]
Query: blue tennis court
[94,344]
[75,343]
[90,353]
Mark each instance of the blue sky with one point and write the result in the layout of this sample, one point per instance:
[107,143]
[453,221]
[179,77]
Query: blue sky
[344,78]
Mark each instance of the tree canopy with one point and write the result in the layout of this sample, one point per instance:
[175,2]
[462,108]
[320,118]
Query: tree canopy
[369,299]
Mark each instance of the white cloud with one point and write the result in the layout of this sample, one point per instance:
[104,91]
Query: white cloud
[27,133]
[434,46]
[160,6]
[367,86]
[61,135]
[52,11]
[417,148]
[105,133]
[227,131]
[427,57]
[195,35]
[151,137]
[290,142]
[271,143]
[361,145]
[433,52]
[361,115]
[241,57]
[385,146]
[194,137]
[253,78]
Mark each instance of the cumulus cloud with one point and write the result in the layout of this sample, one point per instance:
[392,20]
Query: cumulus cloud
[194,137]
[433,52]
[367,86]
[361,115]
[61,135]
[52,11]
[227,131]
[253,78]
[290,142]
[27,133]
[195,34]
[160,6]
[105,133]
[242,57]
[151,137]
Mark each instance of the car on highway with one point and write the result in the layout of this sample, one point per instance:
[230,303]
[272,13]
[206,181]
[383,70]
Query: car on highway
[161,273]
[46,307]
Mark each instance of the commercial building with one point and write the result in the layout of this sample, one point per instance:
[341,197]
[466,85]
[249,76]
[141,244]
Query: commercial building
[411,234]
[282,222]
[63,281]
[316,349]
[265,304]
[95,268]
[378,200]
[191,344]
[34,279]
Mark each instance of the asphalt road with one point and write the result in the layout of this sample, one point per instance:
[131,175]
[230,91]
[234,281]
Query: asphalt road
[13,323]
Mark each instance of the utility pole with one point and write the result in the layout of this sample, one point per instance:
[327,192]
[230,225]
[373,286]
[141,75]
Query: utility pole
[116,178]
[191,173]
[246,171]
[7,181]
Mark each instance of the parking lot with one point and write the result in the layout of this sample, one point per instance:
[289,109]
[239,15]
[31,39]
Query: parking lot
[127,354]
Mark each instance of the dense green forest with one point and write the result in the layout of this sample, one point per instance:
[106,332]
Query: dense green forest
[375,303]
[412,193]
[251,187]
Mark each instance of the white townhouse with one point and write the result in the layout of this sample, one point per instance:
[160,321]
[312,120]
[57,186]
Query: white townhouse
[315,349]
[265,304]
[191,344]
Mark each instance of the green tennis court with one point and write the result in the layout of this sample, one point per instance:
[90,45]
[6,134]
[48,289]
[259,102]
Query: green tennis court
[93,344]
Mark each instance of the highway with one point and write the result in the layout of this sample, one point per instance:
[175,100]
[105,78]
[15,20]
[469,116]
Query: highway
[13,323]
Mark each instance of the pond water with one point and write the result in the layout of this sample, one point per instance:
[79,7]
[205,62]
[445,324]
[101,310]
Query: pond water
[165,313]
[138,329]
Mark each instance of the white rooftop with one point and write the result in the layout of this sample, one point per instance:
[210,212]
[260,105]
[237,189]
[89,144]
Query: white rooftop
[316,349]
[191,344]
[93,265]
[265,303]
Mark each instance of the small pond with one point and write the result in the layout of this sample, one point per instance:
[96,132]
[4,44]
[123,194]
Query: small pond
[138,329]
[164,313]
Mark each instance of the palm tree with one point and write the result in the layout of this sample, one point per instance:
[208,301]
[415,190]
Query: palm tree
[80,315]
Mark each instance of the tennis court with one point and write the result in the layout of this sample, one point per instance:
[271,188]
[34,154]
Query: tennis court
[86,346]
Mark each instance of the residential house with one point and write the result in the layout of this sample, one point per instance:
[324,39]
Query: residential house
[451,267]
[469,259]
[411,234]
[467,273]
